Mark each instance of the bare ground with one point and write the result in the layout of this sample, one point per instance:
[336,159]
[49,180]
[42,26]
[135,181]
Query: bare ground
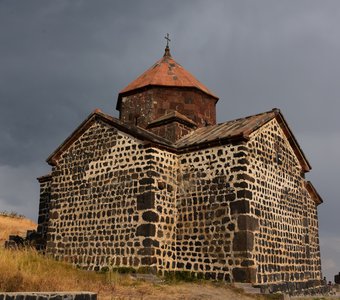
[181,291]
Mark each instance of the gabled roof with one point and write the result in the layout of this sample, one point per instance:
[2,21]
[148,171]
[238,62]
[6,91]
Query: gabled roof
[45,178]
[98,115]
[293,142]
[240,129]
[313,193]
[173,116]
[204,137]
[165,72]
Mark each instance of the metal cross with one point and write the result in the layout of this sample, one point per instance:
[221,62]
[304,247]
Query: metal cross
[167,40]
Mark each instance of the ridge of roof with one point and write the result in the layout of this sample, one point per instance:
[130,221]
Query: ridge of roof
[237,127]
[172,116]
[240,129]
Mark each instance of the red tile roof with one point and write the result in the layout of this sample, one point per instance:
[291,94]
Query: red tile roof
[166,72]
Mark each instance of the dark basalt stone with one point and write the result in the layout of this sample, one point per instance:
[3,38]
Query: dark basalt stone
[243,161]
[148,260]
[241,184]
[148,242]
[244,275]
[161,185]
[231,227]
[245,177]
[230,197]
[146,181]
[337,278]
[150,216]
[245,194]
[239,168]
[245,222]
[150,150]
[146,251]
[54,215]
[146,200]
[146,230]
[240,207]
[152,174]
[247,263]
[240,154]
[243,241]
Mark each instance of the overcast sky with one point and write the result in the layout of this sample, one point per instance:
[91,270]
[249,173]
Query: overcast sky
[59,60]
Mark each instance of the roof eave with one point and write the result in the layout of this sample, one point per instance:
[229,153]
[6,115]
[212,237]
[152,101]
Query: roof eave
[170,119]
[290,136]
[124,92]
[313,192]
[52,159]
[213,143]
[45,178]
[295,145]
[134,131]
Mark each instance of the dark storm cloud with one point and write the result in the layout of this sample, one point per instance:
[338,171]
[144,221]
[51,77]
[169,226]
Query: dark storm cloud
[59,60]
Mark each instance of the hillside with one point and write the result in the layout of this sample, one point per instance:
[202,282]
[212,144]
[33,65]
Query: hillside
[26,270]
[14,226]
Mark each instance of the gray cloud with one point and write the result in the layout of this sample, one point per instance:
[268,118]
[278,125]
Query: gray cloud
[59,60]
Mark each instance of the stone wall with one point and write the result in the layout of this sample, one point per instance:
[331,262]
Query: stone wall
[44,210]
[171,131]
[207,230]
[102,201]
[164,179]
[238,212]
[286,245]
[142,107]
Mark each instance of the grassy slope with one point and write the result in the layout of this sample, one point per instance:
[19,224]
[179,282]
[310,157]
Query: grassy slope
[14,226]
[26,270]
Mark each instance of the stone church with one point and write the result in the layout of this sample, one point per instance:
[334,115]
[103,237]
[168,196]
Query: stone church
[166,188]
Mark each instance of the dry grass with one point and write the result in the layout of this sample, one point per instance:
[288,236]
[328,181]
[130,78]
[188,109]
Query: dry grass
[26,270]
[14,226]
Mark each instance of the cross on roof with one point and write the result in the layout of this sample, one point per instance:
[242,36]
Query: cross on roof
[167,40]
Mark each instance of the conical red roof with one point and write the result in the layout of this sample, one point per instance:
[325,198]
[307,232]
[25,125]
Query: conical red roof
[166,72]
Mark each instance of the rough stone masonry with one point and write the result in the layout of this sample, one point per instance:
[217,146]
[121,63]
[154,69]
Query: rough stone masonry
[164,188]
